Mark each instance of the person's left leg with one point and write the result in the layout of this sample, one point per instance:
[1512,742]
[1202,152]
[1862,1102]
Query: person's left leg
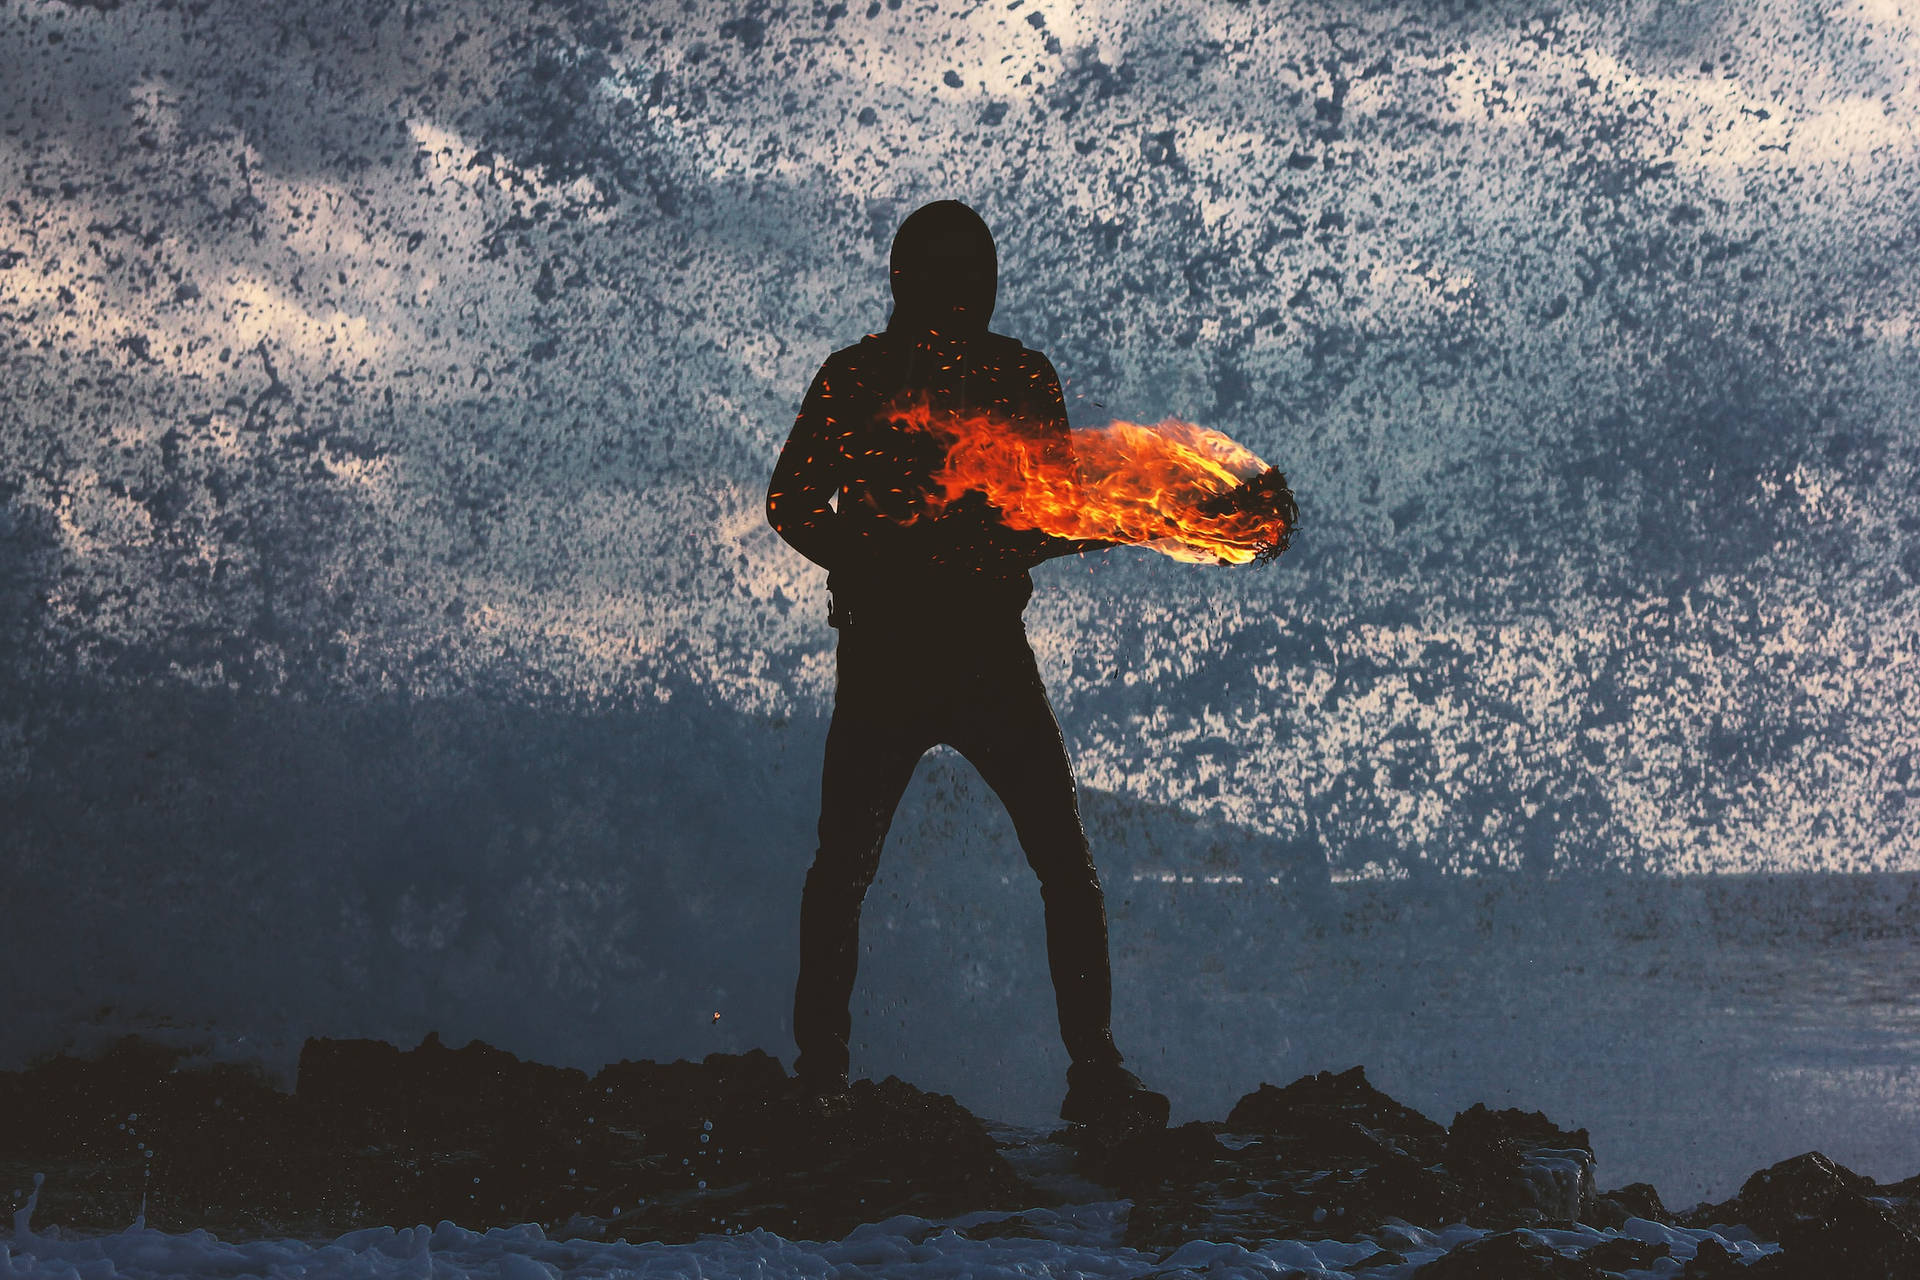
[877,736]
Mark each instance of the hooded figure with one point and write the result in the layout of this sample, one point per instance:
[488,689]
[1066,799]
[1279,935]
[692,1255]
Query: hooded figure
[889,555]
[927,599]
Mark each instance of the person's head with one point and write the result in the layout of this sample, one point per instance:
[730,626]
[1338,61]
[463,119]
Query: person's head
[944,270]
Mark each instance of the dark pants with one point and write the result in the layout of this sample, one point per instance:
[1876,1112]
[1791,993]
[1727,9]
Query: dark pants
[977,689]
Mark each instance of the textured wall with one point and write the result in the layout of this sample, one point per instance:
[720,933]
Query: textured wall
[389,393]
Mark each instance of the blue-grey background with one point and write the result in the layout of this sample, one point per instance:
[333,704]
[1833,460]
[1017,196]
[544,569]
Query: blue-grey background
[391,639]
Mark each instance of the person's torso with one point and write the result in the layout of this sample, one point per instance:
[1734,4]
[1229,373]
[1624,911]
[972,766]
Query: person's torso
[926,554]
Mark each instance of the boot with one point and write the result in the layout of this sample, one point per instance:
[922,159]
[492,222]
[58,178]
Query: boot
[1109,1096]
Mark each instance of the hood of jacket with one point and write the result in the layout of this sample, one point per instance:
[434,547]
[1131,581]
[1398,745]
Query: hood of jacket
[944,271]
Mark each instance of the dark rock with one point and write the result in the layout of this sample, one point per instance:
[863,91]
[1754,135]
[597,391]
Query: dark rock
[1343,1144]
[1635,1200]
[1313,1105]
[1513,1164]
[1829,1220]
[1401,1187]
[1140,1161]
[373,1135]
[1907,1188]
[1856,1236]
[1802,1187]
[1326,1155]
[1625,1254]
[1805,1187]
[433,1084]
[1513,1255]
[136,1126]
[1713,1261]
[1331,1155]
[1527,1128]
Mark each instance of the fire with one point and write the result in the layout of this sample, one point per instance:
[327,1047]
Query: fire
[1184,490]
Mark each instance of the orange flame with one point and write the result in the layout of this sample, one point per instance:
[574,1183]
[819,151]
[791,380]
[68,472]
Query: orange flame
[1183,490]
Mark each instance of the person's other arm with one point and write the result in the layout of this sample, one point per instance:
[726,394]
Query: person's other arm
[799,499]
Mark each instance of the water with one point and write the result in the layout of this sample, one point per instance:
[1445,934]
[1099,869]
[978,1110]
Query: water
[1699,1029]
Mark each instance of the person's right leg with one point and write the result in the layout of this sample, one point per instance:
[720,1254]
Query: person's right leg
[872,747]
[1016,746]
[1006,728]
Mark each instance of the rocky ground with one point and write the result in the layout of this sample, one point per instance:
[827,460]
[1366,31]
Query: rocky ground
[373,1135]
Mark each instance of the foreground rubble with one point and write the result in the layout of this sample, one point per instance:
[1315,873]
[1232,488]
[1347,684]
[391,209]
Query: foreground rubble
[375,1136]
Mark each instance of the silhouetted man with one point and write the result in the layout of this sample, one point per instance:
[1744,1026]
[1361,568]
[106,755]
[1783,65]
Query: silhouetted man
[927,600]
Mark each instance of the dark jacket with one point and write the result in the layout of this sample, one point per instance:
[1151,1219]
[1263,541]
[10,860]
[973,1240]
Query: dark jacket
[888,558]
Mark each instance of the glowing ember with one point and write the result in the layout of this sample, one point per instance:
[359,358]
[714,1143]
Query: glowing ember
[1184,490]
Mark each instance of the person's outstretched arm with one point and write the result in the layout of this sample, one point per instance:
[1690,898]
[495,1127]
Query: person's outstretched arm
[1052,413]
[799,500]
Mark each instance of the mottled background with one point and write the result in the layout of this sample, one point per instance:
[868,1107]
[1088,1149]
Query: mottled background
[391,639]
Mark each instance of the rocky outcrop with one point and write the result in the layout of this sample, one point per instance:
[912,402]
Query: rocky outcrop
[374,1135]
[1635,1200]
[1520,1160]
[1331,1155]
[1509,1256]
[1829,1220]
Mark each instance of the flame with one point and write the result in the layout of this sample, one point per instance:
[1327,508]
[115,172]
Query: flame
[1183,490]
